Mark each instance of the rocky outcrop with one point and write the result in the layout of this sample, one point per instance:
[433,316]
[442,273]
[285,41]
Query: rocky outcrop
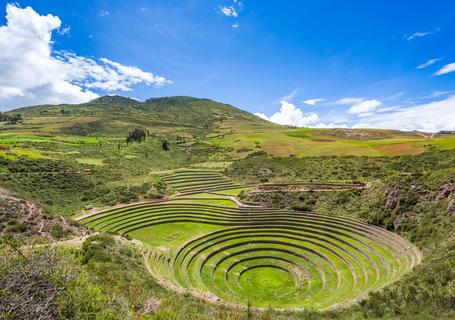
[25,219]
[402,217]
[446,191]
[150,306]
[392,198]
[451,207]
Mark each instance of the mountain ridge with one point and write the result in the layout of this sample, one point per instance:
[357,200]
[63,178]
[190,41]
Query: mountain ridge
[118,114]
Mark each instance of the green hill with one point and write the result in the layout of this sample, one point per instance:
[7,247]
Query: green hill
[115,115]
[233,132]
[199,201]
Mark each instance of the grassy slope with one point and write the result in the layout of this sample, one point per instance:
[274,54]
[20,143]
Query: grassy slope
[82,163]
[167,238]
[419,215]
[236,133]
[87,142]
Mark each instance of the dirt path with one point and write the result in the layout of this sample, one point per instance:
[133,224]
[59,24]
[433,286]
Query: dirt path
[96,211]
[75,241]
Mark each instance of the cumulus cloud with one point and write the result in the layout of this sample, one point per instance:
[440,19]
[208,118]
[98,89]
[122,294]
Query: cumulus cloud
[313,102]
[32,72]
[446,69]
[428,63]
[425,117]
[289,114]
[104,13]
[235,25]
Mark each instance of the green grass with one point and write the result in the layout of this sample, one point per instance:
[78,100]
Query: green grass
[196,181]
[323,142]
[42,163]
[162,236]
[90,161]
[232,192]
[215,202]
[296,260]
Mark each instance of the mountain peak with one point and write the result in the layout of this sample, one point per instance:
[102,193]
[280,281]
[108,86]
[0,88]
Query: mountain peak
[114,99]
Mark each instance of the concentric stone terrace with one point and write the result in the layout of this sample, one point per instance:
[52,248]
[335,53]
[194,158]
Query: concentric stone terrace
[265,257]
[193,181]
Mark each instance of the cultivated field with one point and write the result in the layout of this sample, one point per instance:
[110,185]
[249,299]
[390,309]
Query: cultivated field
[264,257]
[195,181]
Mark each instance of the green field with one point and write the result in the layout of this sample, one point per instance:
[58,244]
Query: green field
[195,181]
[297,260]
[220,132]
[217,205]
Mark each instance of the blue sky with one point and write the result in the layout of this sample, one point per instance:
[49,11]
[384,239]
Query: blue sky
[355,63]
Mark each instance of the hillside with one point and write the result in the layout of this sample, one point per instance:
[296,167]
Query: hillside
[234,132]
[191,197]
[115,115]
[90,139]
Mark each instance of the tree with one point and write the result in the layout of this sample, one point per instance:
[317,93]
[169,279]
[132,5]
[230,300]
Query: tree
[14,119]
[165,145]
[137,135]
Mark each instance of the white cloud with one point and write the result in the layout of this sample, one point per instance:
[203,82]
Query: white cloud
[349,100]
[289,114]
[33,73]
[428,63]
[290,95]
[330,125]
[105,74]
[446,69]
[229,11]
[387,109]
[394,96]
[429,117]
[10,92]
[360,105]
[436,94]
[64,31]
[104,13]
[416,35]
[313,102]
[364,106]
[235,25]
[132,75]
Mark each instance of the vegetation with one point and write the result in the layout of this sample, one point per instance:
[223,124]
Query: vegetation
[297,260]
[137,135]
[413,196]
[195,181]
[11,119]
[189,158]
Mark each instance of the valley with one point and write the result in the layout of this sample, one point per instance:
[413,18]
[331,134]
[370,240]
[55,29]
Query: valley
[205,211]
